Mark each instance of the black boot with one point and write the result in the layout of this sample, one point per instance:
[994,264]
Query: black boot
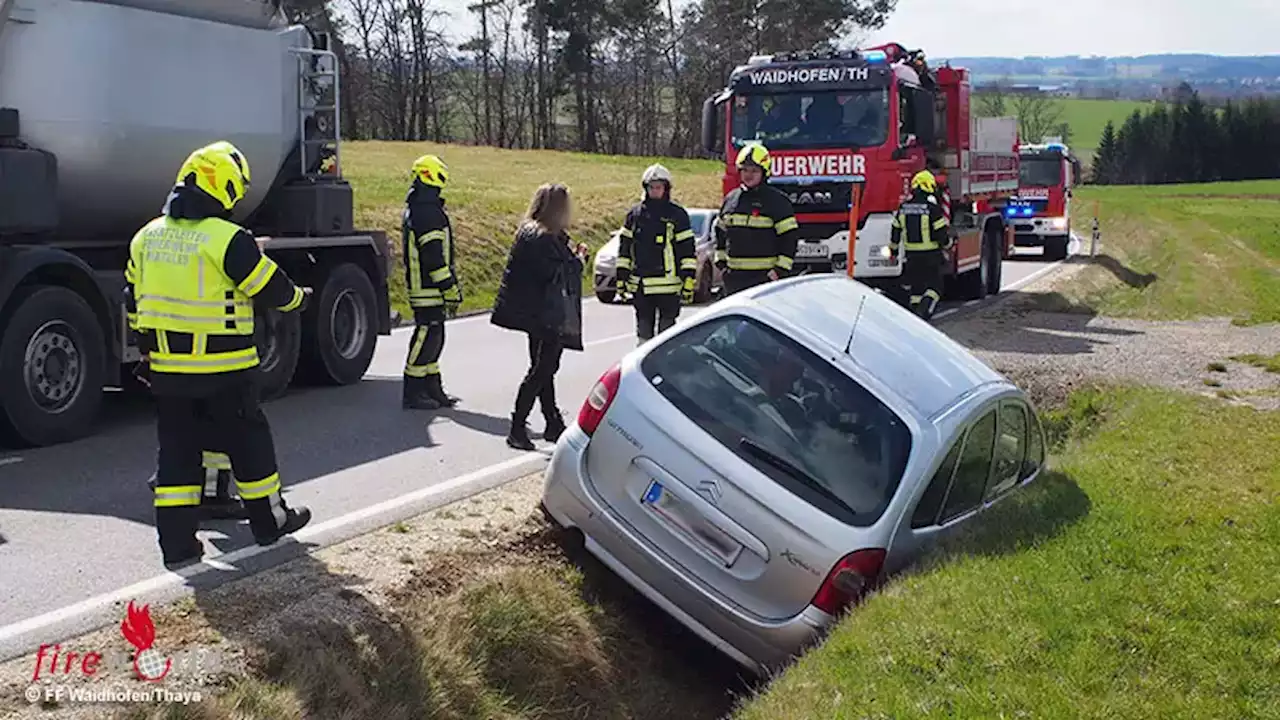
[435,390]
[295,520]
[555,428]
[223,508]
[416,395]
[518,437]
[189,555]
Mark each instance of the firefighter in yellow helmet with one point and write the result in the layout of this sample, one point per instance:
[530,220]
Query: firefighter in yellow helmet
[430,274]
[756,231]
[194,278]
[922,230]
[657,259]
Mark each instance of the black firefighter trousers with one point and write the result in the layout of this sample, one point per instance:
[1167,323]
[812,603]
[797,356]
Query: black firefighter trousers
[735,281]
[922,280]
[652,311]
[240,429]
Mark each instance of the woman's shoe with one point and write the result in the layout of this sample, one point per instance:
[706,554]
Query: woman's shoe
[555,428]
[518,438]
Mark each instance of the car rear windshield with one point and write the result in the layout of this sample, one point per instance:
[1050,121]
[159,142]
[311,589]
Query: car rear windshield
[794,416]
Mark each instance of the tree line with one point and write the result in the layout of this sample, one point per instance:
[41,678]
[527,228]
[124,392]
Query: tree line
[1189,140]
[622,77]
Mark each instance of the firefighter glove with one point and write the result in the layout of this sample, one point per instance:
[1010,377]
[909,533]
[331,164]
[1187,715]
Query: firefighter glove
[306,298]
[722,265]
[686,295]
[453,295]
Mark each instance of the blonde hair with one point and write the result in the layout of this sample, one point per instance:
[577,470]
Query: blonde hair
[549,209]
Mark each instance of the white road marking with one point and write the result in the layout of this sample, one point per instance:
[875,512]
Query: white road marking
[139,590]
[10,461]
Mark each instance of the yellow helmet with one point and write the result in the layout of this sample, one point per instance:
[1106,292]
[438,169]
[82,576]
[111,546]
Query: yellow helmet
[924,180]
[219,170]
[236,155]
[754,154]
[431,170]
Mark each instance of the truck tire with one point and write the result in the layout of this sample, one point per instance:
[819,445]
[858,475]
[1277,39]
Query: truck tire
[279,339]
[1055,248]
[52,357]
[995,274]
[972,285]
[340,328]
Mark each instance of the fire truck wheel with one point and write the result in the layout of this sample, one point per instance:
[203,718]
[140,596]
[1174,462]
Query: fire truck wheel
[995,274]
[339,328]
[1055,248]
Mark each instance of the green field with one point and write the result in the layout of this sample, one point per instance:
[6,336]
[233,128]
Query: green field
[490,190]
[1087,118]
[1136,580]
[1185,251]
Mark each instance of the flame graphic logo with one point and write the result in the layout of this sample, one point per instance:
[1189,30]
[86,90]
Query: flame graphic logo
[137,628]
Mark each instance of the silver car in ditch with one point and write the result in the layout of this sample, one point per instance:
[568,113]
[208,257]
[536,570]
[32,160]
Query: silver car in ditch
[756,469]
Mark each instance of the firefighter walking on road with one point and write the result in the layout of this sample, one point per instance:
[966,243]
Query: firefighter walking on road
[657,260]
[756,232]
[194,277]
[927,232]
[433,283]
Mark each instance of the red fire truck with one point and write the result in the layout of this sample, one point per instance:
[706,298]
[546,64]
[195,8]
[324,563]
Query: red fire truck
[1041,213]
[856,125]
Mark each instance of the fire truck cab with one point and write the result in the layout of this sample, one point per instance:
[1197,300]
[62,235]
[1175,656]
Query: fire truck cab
[871,119]
[1041,212]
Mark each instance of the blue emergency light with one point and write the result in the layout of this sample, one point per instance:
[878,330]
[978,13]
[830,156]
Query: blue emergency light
[875,56]
[1057,146]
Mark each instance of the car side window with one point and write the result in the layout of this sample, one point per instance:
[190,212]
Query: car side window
[1010,450]
[1034,459]
[926,512]
[970,483]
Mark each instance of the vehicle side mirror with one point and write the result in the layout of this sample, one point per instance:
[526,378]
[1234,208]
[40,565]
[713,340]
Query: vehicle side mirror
[711,127]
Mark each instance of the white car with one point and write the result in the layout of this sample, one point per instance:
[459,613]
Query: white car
[709,280]
[755,470]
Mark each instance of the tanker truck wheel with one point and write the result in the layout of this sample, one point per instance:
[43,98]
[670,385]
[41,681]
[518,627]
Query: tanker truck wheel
[52,356]
[340,329]
[279,339]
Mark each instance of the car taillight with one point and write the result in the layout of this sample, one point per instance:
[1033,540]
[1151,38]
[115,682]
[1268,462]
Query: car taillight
[849,580]
[599,399]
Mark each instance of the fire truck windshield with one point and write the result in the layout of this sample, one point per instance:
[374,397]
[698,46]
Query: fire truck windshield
[846,118]
[1039,171]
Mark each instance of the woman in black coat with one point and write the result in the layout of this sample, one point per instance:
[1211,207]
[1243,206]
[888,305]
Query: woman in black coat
[541,296]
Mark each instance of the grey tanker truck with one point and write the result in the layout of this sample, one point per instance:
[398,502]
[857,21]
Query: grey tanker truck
[100,102]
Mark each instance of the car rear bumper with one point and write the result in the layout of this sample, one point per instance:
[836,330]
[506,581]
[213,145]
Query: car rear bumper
[761,646]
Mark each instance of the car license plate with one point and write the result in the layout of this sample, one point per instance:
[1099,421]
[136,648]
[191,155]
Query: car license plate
[693,525]
[812,250]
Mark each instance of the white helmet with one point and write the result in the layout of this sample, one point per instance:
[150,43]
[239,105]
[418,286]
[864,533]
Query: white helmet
[656,172]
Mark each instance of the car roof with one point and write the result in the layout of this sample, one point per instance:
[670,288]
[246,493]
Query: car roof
[918,362]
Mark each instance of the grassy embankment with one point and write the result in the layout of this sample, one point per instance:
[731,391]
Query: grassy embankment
[490,189]
[1184,251]
[1138,580]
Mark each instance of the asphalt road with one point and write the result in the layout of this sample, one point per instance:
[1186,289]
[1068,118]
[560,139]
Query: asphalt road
[76,520]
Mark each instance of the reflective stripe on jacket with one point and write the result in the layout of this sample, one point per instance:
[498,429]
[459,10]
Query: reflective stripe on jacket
[756,230]
[656,247]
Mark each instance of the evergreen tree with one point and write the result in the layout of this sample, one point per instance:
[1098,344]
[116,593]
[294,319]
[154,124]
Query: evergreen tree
[1104,160]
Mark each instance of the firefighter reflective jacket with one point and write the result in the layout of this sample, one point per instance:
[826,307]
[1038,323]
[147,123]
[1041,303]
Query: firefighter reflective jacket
[757,230]
[428,248]
[656,247]
[923,220]
[193,288]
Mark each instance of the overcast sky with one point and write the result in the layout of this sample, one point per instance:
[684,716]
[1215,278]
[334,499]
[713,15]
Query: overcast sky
[1015,28]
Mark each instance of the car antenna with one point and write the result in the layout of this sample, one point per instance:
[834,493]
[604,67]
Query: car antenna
[854,330]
